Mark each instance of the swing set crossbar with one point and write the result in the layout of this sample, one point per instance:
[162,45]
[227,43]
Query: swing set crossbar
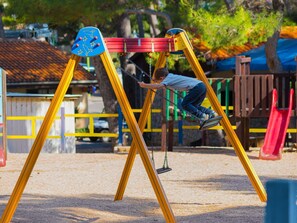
[143,45]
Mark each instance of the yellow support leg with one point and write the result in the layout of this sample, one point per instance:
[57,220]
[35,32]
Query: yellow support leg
[142,122]
[137,136]
[225,121]
[40,139]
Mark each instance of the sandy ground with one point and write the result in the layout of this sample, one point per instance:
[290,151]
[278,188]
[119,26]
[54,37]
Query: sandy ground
[205,185]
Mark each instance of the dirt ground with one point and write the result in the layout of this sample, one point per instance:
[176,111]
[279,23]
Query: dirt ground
[205,185]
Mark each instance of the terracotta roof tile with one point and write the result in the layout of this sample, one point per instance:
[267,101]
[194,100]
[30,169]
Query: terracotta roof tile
[35,61]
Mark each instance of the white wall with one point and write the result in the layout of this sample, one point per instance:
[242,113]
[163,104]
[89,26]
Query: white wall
[38,106]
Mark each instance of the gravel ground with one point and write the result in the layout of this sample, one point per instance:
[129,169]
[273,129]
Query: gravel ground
[205,185]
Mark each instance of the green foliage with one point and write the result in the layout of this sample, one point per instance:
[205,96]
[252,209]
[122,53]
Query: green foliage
[68,16]
[209,20]
[82,130]
[222,29]
[211,23]
[219,28]
[9,21]
[174,62]
[260,31]
[60,12]
[290,19]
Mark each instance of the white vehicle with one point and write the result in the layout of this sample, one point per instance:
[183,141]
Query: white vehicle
[100,126]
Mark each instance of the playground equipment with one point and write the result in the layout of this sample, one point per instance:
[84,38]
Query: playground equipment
[2,157]
[277,128]
[253,95]
[2,149]
[89,42]
[281,203]
[3,154]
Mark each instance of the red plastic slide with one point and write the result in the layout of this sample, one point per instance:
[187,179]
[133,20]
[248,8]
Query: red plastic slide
[2,150]
[2,158]
[276,131]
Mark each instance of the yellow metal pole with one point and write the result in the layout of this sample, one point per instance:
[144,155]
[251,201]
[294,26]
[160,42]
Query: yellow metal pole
[142,122]
[182,39]
[137,136]
[39,142]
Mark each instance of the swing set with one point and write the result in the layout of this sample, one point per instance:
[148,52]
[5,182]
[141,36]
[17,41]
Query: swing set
[89,42]
[165,168]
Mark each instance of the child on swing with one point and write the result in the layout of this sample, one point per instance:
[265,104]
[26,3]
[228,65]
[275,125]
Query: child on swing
[195,96]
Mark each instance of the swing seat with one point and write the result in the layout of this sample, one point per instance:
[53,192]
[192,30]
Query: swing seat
[163,170]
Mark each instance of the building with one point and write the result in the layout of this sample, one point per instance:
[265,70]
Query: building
[33,71]
[37,67]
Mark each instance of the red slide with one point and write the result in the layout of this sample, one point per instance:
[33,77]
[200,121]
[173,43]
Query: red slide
[2,150]
[2,158]
[276,131]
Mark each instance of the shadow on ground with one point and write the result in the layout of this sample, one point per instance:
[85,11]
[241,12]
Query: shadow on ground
[99,208]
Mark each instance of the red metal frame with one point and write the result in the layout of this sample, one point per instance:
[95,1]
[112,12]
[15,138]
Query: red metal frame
[125,45]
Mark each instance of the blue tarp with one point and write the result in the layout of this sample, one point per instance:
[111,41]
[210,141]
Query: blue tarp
[286,50]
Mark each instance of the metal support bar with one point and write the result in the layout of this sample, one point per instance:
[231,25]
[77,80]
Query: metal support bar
[137,136]
[126,45]
[40,139]
[225,121]
[142,122]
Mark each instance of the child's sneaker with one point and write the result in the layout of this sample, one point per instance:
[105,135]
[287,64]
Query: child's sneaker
[212,115]
[204,118]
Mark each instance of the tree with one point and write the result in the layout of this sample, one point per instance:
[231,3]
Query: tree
[276,6]
[272,59]
[109,98]
[1,22]
[225,24]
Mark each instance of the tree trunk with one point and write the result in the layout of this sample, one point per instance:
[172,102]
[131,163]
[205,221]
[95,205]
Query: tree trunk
[2,35]
[140,25]
[155,31]
[108,95]
[229,4]
[124,30]
[272,59]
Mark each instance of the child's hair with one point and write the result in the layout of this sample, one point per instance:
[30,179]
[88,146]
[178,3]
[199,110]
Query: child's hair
[161,72]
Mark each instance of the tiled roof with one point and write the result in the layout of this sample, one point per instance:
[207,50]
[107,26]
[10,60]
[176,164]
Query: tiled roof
[35,61]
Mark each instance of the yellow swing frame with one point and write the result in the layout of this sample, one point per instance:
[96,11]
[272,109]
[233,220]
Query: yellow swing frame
[90,43]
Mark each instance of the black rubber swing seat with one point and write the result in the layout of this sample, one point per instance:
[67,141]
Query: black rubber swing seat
[163,170]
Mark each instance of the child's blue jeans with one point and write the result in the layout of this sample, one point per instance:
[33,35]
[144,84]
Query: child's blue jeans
[193,100]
